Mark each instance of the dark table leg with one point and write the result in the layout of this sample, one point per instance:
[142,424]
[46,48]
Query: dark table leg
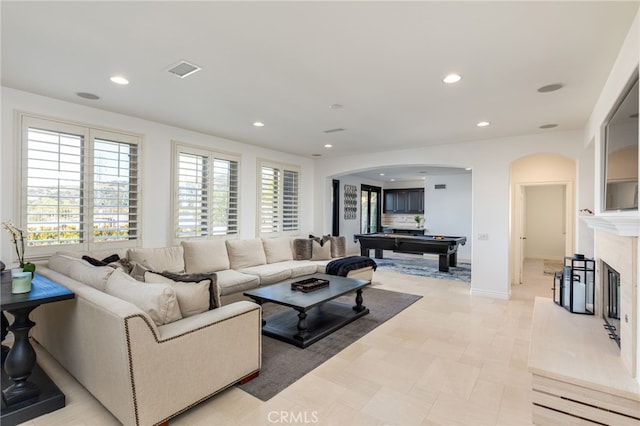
[302,324]
[5,331]
[359,307]
[378,253]
[20,360]
[443,263]
[453,259]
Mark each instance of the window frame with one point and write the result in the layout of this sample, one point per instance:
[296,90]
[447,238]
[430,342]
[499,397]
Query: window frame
[179,147]
[88,132]
[281,167]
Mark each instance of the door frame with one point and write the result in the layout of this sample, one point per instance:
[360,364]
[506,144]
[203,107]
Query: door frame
[378,190]
[518,221]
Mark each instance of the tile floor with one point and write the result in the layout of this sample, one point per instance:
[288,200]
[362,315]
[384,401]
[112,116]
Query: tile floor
[449,359]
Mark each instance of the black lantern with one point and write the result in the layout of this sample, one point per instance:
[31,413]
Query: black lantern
[574,287]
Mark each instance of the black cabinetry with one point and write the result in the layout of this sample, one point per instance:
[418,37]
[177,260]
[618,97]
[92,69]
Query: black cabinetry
[409,200]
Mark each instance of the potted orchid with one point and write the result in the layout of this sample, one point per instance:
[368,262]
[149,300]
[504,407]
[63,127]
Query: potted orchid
[17,238]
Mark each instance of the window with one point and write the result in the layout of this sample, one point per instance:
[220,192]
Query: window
[279,198]
[80,186]
[206,193]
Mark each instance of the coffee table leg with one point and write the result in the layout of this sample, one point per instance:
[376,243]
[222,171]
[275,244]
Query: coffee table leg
[302,324]
[359,307]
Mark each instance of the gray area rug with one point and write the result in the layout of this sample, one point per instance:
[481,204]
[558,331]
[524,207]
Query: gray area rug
[424,267]
[283,364]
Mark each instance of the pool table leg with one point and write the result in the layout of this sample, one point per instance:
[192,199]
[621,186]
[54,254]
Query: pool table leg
[443,262]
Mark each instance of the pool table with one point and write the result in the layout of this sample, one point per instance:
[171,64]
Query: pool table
[444,246]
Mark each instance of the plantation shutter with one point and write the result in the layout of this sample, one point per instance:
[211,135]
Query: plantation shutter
[225,197]
[54,190]
[192,195]
[290,201]
[269,200]
[206,194]
[115,190]
[279,199]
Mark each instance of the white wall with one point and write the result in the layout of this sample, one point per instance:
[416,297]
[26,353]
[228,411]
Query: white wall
[490,161]
[545,227]
[156,166]
[448,211]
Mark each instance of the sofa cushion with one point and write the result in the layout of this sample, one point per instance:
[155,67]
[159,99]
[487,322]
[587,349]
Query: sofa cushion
[320,252]
[300,267]
[159,259]
[245,253]
[277,249]
[338,246]
[230,282]
[193,297]
[80,270]
[302,249]
[97,254]
[269,274]
[205,256]
[159,301]
[321,265]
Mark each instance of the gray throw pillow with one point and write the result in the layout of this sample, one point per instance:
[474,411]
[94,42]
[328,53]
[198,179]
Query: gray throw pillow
[302,249]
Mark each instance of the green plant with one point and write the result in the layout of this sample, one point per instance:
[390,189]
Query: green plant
[17,238]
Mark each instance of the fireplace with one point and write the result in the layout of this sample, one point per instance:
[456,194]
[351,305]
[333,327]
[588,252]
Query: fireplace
[611,301]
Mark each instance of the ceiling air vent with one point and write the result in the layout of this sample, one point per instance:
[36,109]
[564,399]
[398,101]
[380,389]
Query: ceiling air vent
[183,69]
[440,186]
[333,130]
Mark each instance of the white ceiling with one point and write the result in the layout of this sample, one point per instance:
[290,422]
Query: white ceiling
[285,63]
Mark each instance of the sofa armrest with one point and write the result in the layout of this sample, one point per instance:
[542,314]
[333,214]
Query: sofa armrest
[192,359]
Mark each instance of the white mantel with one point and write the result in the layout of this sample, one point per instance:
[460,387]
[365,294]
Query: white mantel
[623,226]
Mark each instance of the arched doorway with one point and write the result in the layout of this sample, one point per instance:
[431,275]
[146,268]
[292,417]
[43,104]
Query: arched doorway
[542,205]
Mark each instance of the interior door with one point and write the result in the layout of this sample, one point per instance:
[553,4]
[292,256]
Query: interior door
[370,209]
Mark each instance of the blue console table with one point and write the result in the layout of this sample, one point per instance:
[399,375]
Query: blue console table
[27,391]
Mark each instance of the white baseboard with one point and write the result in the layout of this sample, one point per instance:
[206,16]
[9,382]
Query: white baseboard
[489,293]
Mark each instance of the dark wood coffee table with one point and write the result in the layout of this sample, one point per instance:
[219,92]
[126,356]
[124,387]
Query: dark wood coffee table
[315,314]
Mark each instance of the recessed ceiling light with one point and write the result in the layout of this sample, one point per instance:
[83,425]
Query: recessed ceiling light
[483,124]
[452,78]
[86,95]
[393,180]
[258,124]
[381,174]
[550,88]
[118,79]
[424,178]
[548,126]
[467,168]
[328,145]
[335,106]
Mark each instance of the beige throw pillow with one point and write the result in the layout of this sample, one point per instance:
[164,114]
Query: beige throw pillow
[319,252]
[159,301]
[193,297]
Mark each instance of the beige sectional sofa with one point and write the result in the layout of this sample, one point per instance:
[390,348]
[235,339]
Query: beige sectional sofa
[150,350]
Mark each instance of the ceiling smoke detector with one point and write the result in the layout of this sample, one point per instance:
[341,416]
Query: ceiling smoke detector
[183,69]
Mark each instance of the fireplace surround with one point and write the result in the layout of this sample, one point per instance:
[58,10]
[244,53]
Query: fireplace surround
[611,301]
